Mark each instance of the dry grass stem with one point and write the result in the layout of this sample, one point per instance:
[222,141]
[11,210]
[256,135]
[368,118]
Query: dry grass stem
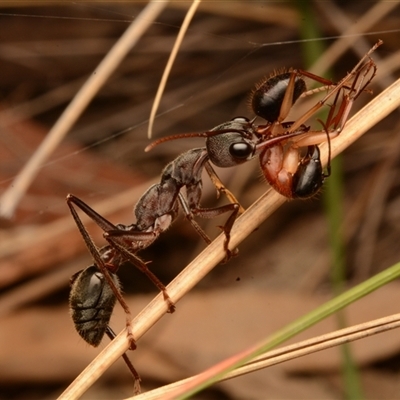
[182,32]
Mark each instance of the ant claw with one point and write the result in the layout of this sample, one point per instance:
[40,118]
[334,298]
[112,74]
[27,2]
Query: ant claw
[171,308]
[235,252]
[229,253]
[171,305]
[132,341]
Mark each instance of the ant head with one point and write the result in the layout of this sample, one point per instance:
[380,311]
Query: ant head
[231,143]
[267,98]
[228,144]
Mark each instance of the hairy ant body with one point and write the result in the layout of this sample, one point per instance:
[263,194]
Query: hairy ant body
[92,302]
[278,145]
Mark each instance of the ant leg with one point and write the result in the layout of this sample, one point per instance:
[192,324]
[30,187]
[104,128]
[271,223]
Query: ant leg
[191,209]
[362,69]
[221,188]
[117,239]
[227,227]
[100,263]
[136,388]
[95,217]
[106,225]
[234,207]
[336,120]
[287,102]
[189,216]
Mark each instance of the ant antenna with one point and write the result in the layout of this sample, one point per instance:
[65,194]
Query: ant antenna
[190,135]
[173,137]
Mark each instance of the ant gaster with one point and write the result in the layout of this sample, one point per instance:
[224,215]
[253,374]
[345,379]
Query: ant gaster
[92,302]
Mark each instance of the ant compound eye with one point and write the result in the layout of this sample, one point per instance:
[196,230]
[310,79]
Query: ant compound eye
[241,150]
[229,149]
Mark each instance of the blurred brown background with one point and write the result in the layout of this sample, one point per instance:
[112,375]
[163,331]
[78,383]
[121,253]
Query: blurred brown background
[283,269]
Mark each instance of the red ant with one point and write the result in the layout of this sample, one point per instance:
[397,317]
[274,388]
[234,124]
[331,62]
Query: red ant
[289,173]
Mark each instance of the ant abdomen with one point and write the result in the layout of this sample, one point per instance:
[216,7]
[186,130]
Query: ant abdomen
[309,177]
[91,303]
[267,98]
[289,174]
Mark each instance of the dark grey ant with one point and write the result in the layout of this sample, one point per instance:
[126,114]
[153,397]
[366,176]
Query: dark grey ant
[228,144]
